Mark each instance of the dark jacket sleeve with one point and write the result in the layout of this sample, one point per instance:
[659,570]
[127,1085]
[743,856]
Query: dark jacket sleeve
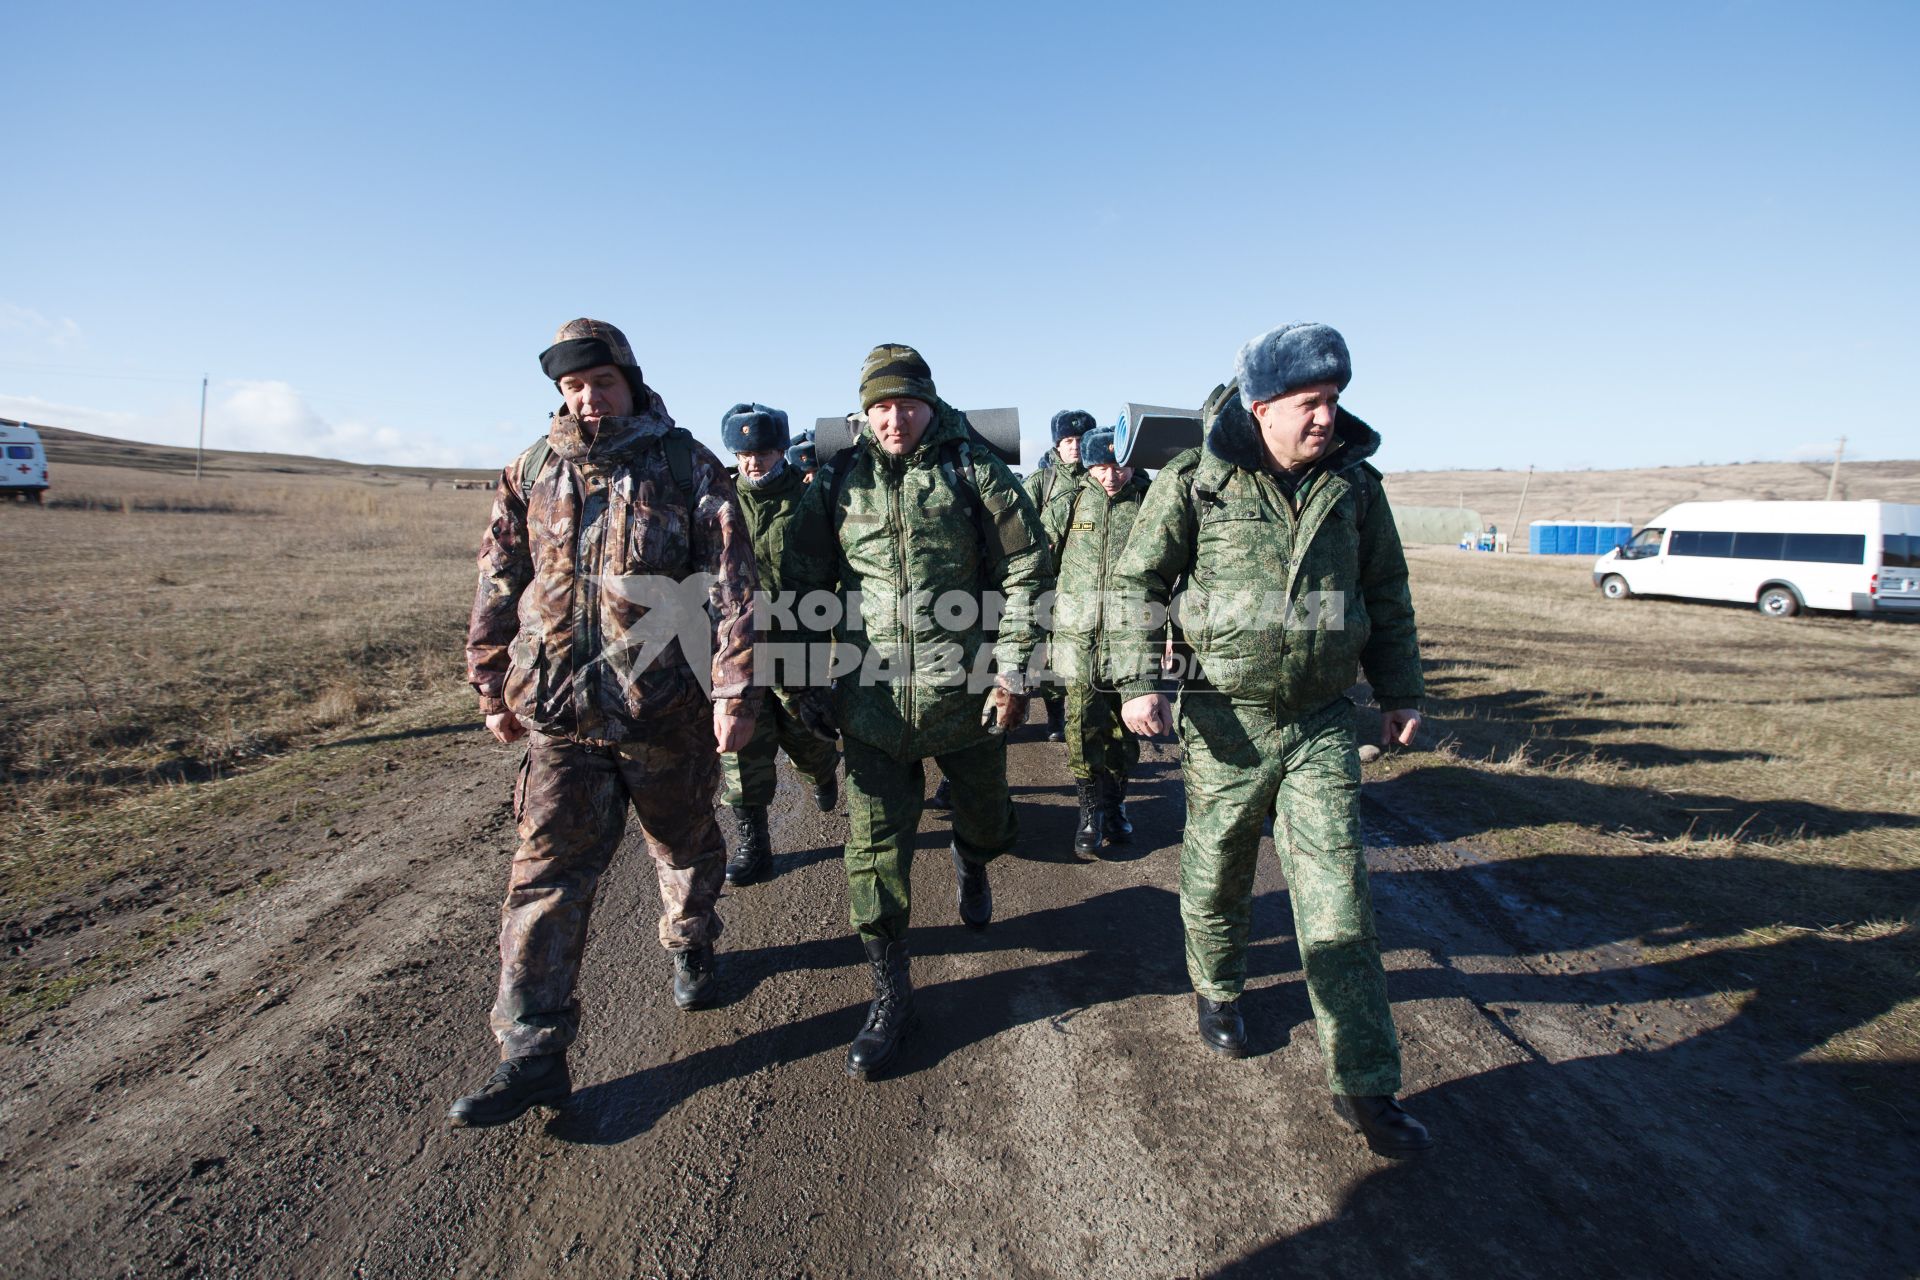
[1391,658]
[506,567]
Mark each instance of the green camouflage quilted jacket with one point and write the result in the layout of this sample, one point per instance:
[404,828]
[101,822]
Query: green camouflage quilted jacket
[906,540]
[1287,598]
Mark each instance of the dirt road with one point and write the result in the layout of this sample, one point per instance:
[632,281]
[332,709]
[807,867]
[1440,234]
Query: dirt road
[268,1100]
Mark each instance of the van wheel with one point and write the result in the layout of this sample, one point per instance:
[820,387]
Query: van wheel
[1779,602]
[1614,587]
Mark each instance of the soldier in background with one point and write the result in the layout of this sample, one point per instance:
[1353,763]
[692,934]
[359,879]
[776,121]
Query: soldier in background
[802,456]
[1057,478]
[1284,525]
[587,525]
[914,512]
[1091,525]
[770,490]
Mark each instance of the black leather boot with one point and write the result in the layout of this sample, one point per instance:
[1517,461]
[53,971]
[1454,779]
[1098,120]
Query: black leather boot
[890,1016]
[516,1086]
[1113,808]
[973,894]
[942,796]
[1086,836]
[753,847]
[1221,1026]
[1056,720]
[693,978]
[1386,1126]
[826,793]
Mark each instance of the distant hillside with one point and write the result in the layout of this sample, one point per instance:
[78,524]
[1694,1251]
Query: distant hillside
[1638,496]
[77,448]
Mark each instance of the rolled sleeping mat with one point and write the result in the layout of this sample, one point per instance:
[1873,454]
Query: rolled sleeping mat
[998,429]
[1150,435]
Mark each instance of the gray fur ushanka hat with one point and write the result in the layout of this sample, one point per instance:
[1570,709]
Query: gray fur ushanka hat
[749,428]
[1289,358]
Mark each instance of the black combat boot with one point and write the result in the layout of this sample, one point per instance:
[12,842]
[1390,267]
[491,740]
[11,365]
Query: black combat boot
[753,852]
[826,793]
[1086,836]
[890,1016]
[1113,808]
[1056,720]
[942,796]
[973,894]
[1388,1129]
[516,1085]
[693,977]
[1221,1026]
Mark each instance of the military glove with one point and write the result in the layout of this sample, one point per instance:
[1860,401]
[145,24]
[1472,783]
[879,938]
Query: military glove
[813,706]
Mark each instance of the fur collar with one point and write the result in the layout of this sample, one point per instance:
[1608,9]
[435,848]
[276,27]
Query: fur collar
[1234,438]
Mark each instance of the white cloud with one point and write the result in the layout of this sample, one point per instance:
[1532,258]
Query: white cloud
[28,323]
[273,417]
[101,422]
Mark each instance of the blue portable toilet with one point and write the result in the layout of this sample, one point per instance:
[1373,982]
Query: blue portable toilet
[1586,537]
[1537,537]
[1560,539]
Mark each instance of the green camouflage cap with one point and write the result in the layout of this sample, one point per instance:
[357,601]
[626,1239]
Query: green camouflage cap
[892,371]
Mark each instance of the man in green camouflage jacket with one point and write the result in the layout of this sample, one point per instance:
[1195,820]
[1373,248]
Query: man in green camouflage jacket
[770,488]
[925,525]
[1056,480]
[1279,530]
[1091,527]
[613,539]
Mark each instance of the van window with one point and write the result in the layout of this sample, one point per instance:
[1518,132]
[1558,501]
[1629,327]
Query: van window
[1827,548]
[1645,543]
[20,451]
[1708,543]
[1759,546]
[1901,551]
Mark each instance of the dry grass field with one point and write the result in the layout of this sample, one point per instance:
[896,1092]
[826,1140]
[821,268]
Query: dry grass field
[173,650]
[1638,496]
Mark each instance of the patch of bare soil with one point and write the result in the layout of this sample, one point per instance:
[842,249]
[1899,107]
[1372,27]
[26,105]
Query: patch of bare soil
[265,1098]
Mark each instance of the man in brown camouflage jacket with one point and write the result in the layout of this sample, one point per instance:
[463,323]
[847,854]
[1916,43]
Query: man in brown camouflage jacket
[608,537]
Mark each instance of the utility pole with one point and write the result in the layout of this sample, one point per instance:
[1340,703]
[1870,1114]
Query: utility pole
[1833,480]
[200,452]
[1514,531]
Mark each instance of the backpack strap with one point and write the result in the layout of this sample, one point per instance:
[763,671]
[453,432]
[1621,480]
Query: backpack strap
[678,443]
[532,462]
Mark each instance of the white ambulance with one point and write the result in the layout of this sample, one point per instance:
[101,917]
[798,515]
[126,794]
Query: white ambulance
[23,462]
[1861,557]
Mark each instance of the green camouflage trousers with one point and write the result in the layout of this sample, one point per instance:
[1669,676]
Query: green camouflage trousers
[570,804]
[1241,764]
[1097,740]
[749,772]
[884,800]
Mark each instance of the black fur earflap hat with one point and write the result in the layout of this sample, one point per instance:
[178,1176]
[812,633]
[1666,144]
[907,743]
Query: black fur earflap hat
[1289,358]
[1071,422]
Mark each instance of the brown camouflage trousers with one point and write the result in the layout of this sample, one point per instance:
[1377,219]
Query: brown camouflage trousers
[885,797]
[750,774]
[570,804]
[1098,741]
[1242,765]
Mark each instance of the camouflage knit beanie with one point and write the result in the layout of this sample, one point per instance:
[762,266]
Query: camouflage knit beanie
[895,372]
[588,344]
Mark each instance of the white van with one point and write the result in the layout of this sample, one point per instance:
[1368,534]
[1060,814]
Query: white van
[1862,557]
[23,462]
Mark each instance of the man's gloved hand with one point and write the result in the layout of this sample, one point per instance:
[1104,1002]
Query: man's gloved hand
[1005,707]
[813,706]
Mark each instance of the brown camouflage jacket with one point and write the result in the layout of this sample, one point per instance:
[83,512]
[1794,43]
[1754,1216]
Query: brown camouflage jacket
[567,629]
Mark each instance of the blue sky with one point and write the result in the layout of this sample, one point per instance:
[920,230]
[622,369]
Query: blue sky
[1598,236]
